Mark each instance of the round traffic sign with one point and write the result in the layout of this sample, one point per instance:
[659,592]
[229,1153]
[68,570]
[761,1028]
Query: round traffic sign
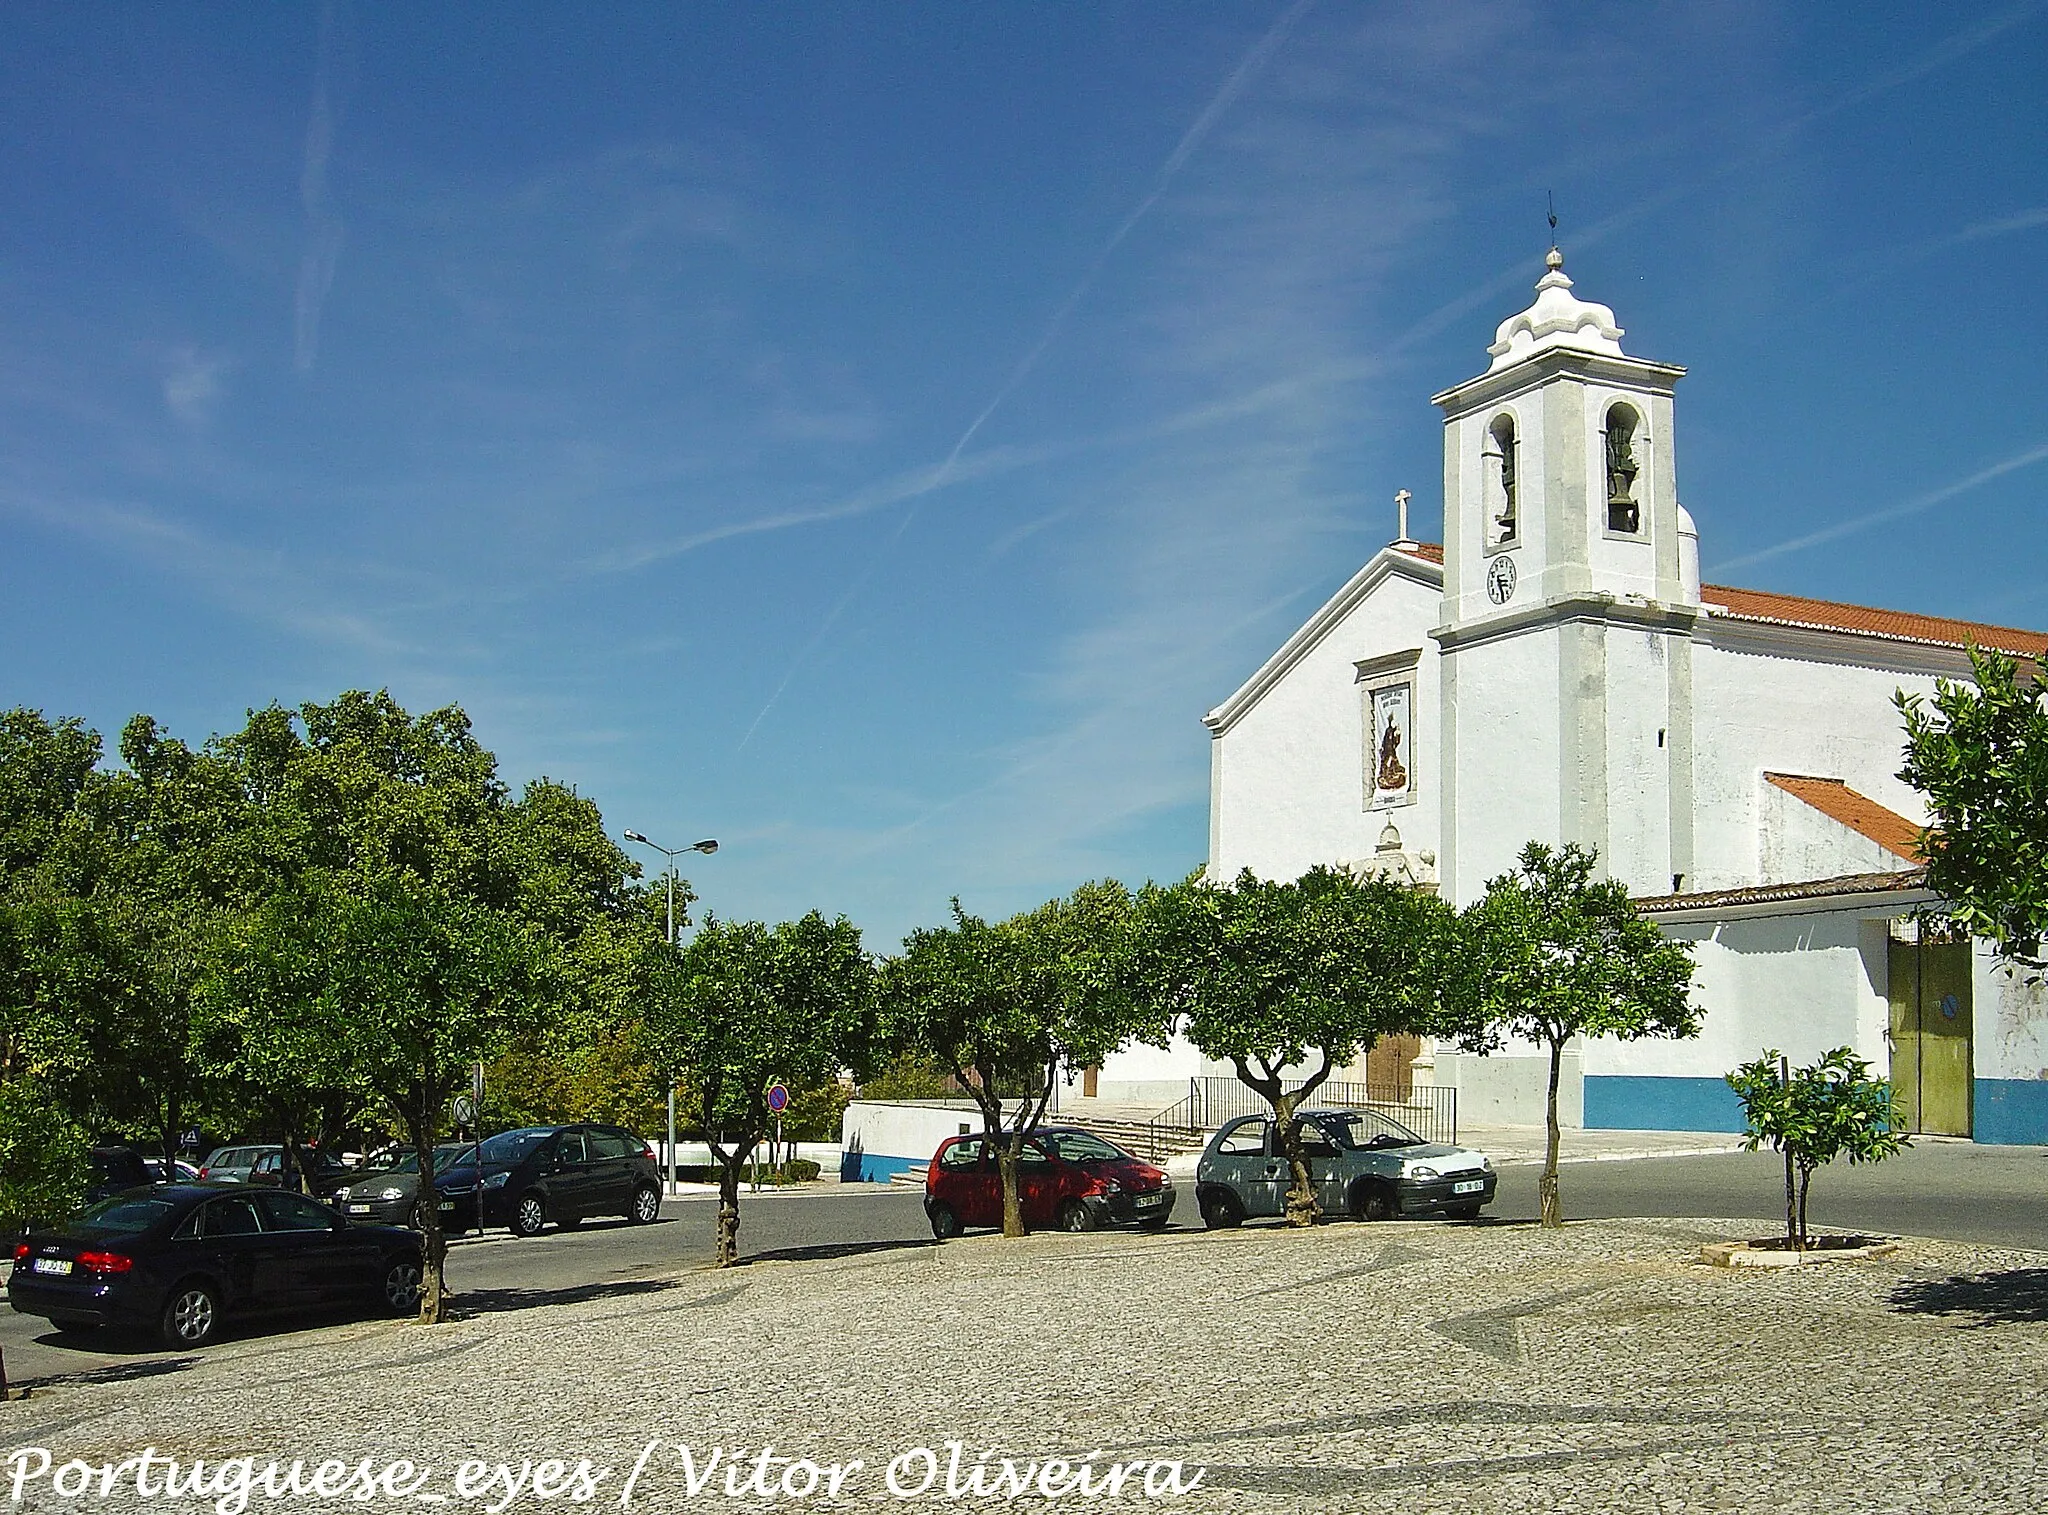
[778,1098]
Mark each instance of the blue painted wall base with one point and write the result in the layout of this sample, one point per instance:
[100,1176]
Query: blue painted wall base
[1616,1102]
[2011,1111]
[857,1167]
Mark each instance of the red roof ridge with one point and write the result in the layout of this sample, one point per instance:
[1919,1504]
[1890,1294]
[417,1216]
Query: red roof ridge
[1429,552]
[1867,620]
[1863,815]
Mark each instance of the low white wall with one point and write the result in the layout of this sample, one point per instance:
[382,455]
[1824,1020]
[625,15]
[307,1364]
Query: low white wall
[881,1138]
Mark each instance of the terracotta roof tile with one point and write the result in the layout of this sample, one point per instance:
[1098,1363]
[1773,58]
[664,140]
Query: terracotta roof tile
[1861,814]
[1831,615]
[1429,552]
[1772,894]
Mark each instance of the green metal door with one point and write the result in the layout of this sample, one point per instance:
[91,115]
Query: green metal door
[1930,1035]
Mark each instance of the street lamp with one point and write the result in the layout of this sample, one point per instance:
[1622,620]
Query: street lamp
[707,847]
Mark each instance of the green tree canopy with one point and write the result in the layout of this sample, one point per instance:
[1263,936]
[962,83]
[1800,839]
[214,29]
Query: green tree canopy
[1550,953]
[1814,1114]
[1289,981]
[1980,756]
[744,1005]
[1005,1007]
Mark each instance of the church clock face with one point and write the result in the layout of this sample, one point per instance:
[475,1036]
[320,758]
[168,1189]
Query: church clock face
[1500,579]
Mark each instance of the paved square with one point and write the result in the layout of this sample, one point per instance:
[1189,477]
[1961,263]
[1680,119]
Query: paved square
[1411,1367]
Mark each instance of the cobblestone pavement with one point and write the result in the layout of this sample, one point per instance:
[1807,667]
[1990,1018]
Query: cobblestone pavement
[1401,1366]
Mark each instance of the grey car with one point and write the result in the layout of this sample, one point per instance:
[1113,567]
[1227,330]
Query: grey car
[390,1194]
[1364,1164]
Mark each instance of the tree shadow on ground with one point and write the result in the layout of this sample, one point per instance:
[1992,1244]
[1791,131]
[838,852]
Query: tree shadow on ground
[2017,1296]
[827,1251]
[474,1302]
[119,1372]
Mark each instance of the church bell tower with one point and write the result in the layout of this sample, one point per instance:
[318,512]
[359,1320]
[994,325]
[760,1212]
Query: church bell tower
[1571,586]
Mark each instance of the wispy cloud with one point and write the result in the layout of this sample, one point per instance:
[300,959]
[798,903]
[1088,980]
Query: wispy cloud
[1911,507]
[192,385]
[323,233]
[265,585]
[1919,252]
[1233,86]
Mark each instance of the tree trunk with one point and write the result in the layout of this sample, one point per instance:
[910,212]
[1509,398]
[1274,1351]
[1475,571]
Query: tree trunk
[729,1208]
[419,1123]
[1805,1178]
[1013,1194]
[1552,1212]
[1794,1232]
[1301,1208]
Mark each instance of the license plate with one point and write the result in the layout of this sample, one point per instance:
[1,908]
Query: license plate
[1469,1186]
[59,1265]
[1149,1199]
[447,1204]
[359,1209]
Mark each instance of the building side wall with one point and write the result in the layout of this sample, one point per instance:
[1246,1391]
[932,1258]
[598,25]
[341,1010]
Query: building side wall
[1797,841]
[1290,773]
[1508,769]
[1754,713]
[1802,984]
[2010,1014]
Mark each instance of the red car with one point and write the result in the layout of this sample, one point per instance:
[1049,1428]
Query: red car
[1068,1178]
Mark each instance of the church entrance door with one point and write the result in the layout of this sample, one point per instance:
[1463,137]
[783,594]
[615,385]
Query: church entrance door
[1930,1034]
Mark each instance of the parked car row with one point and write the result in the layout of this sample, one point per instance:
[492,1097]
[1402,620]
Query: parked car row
[1363,1164]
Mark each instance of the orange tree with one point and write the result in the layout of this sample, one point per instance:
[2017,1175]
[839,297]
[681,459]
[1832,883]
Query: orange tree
[1288,982]
[1007,1007]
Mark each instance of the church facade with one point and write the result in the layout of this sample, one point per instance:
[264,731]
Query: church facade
[1556,671]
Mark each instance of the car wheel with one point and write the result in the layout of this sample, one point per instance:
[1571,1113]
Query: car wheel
[646,1207]
[418,1219]
[529,1215]
[191,1316]
[402,1285]
[1371,1201]
[1075,1216]
[945,1222]
[1221,1210]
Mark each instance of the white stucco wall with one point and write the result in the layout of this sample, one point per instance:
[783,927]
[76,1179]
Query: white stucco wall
[1289,768]
[1508,768]
[1758,711]
[2010,1013]
[1796,841]
[1803,984]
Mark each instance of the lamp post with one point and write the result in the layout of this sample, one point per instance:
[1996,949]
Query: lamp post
[707,847]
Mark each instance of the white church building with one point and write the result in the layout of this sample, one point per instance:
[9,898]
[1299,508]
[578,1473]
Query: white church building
[1556,671]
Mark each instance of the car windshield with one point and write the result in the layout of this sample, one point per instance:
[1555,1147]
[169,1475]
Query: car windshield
[125,1216]
[1082,1147]
[1366,1130]
[510,1146]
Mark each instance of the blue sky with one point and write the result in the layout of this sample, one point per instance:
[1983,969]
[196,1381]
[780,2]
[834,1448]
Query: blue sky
[874,435]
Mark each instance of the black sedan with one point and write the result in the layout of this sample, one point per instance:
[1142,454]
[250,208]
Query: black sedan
[182,1258]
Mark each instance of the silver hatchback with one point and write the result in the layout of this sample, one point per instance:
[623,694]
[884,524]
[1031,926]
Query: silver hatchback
[1364,1164]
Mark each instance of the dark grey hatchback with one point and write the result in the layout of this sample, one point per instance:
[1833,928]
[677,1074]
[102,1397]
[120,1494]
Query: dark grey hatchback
[181,1258]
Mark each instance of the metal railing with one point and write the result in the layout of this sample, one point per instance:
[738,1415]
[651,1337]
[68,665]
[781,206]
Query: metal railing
[1431,1112]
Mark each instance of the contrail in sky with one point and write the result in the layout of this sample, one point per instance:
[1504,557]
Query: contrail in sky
[323,227]
[1913,506]
[1262,51]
